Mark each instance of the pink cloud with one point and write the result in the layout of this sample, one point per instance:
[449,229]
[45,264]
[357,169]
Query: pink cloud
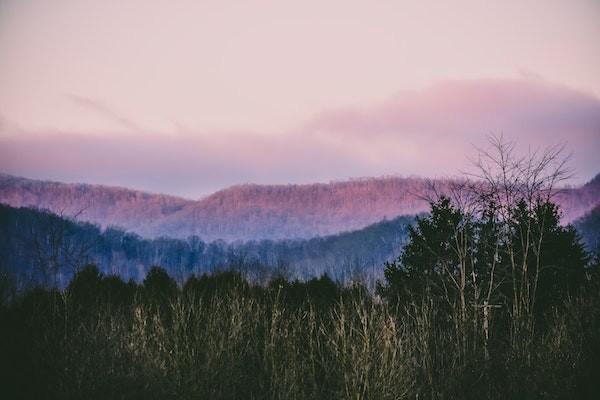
[428,133]
[473,107]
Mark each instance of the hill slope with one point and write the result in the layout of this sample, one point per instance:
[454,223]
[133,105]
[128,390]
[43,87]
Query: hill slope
[589,229]
[250,212]
[38,246]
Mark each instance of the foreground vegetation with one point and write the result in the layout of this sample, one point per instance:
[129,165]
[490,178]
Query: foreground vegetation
[219,337]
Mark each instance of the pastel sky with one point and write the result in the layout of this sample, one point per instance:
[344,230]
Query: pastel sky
[187,97]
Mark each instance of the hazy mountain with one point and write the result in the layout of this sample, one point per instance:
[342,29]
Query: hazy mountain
[103,205]
[41,247]
[251,212]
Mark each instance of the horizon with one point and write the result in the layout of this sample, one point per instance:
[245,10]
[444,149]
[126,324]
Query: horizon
[568,184]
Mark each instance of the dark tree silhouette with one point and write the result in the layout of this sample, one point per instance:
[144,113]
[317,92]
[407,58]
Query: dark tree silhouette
[158,285]
[86,287]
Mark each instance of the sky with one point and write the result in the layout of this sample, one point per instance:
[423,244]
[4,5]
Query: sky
[189,97]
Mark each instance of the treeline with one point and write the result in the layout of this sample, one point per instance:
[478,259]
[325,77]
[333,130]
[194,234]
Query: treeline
[39,247]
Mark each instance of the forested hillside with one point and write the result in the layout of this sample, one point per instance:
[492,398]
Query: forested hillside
[40,247]
[252,212]
[589,229]
[103,205]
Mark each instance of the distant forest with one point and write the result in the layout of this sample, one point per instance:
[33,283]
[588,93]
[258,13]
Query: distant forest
[255,212]
[589,229]
[39,247]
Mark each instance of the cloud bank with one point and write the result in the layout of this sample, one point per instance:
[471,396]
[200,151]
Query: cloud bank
[429,133]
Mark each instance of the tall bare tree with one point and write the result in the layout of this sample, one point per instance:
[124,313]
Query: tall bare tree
[516,190]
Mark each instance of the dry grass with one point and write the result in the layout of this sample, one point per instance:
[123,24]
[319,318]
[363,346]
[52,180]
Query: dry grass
[253,343]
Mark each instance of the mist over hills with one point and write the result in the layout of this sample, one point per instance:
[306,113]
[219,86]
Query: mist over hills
[41,247]
[251,212]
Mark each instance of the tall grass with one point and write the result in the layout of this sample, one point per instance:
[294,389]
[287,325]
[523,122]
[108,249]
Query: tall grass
[252,342]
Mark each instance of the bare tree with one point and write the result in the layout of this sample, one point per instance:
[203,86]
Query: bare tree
[503,207]
[504,183]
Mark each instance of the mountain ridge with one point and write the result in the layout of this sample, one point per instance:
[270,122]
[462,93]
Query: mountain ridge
[251,211]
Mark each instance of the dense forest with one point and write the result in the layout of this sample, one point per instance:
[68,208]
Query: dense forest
[41,247]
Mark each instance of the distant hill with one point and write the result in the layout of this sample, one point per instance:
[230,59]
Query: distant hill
[577,202]
[102,205]
[589,229]
[251,212]
[41,247]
